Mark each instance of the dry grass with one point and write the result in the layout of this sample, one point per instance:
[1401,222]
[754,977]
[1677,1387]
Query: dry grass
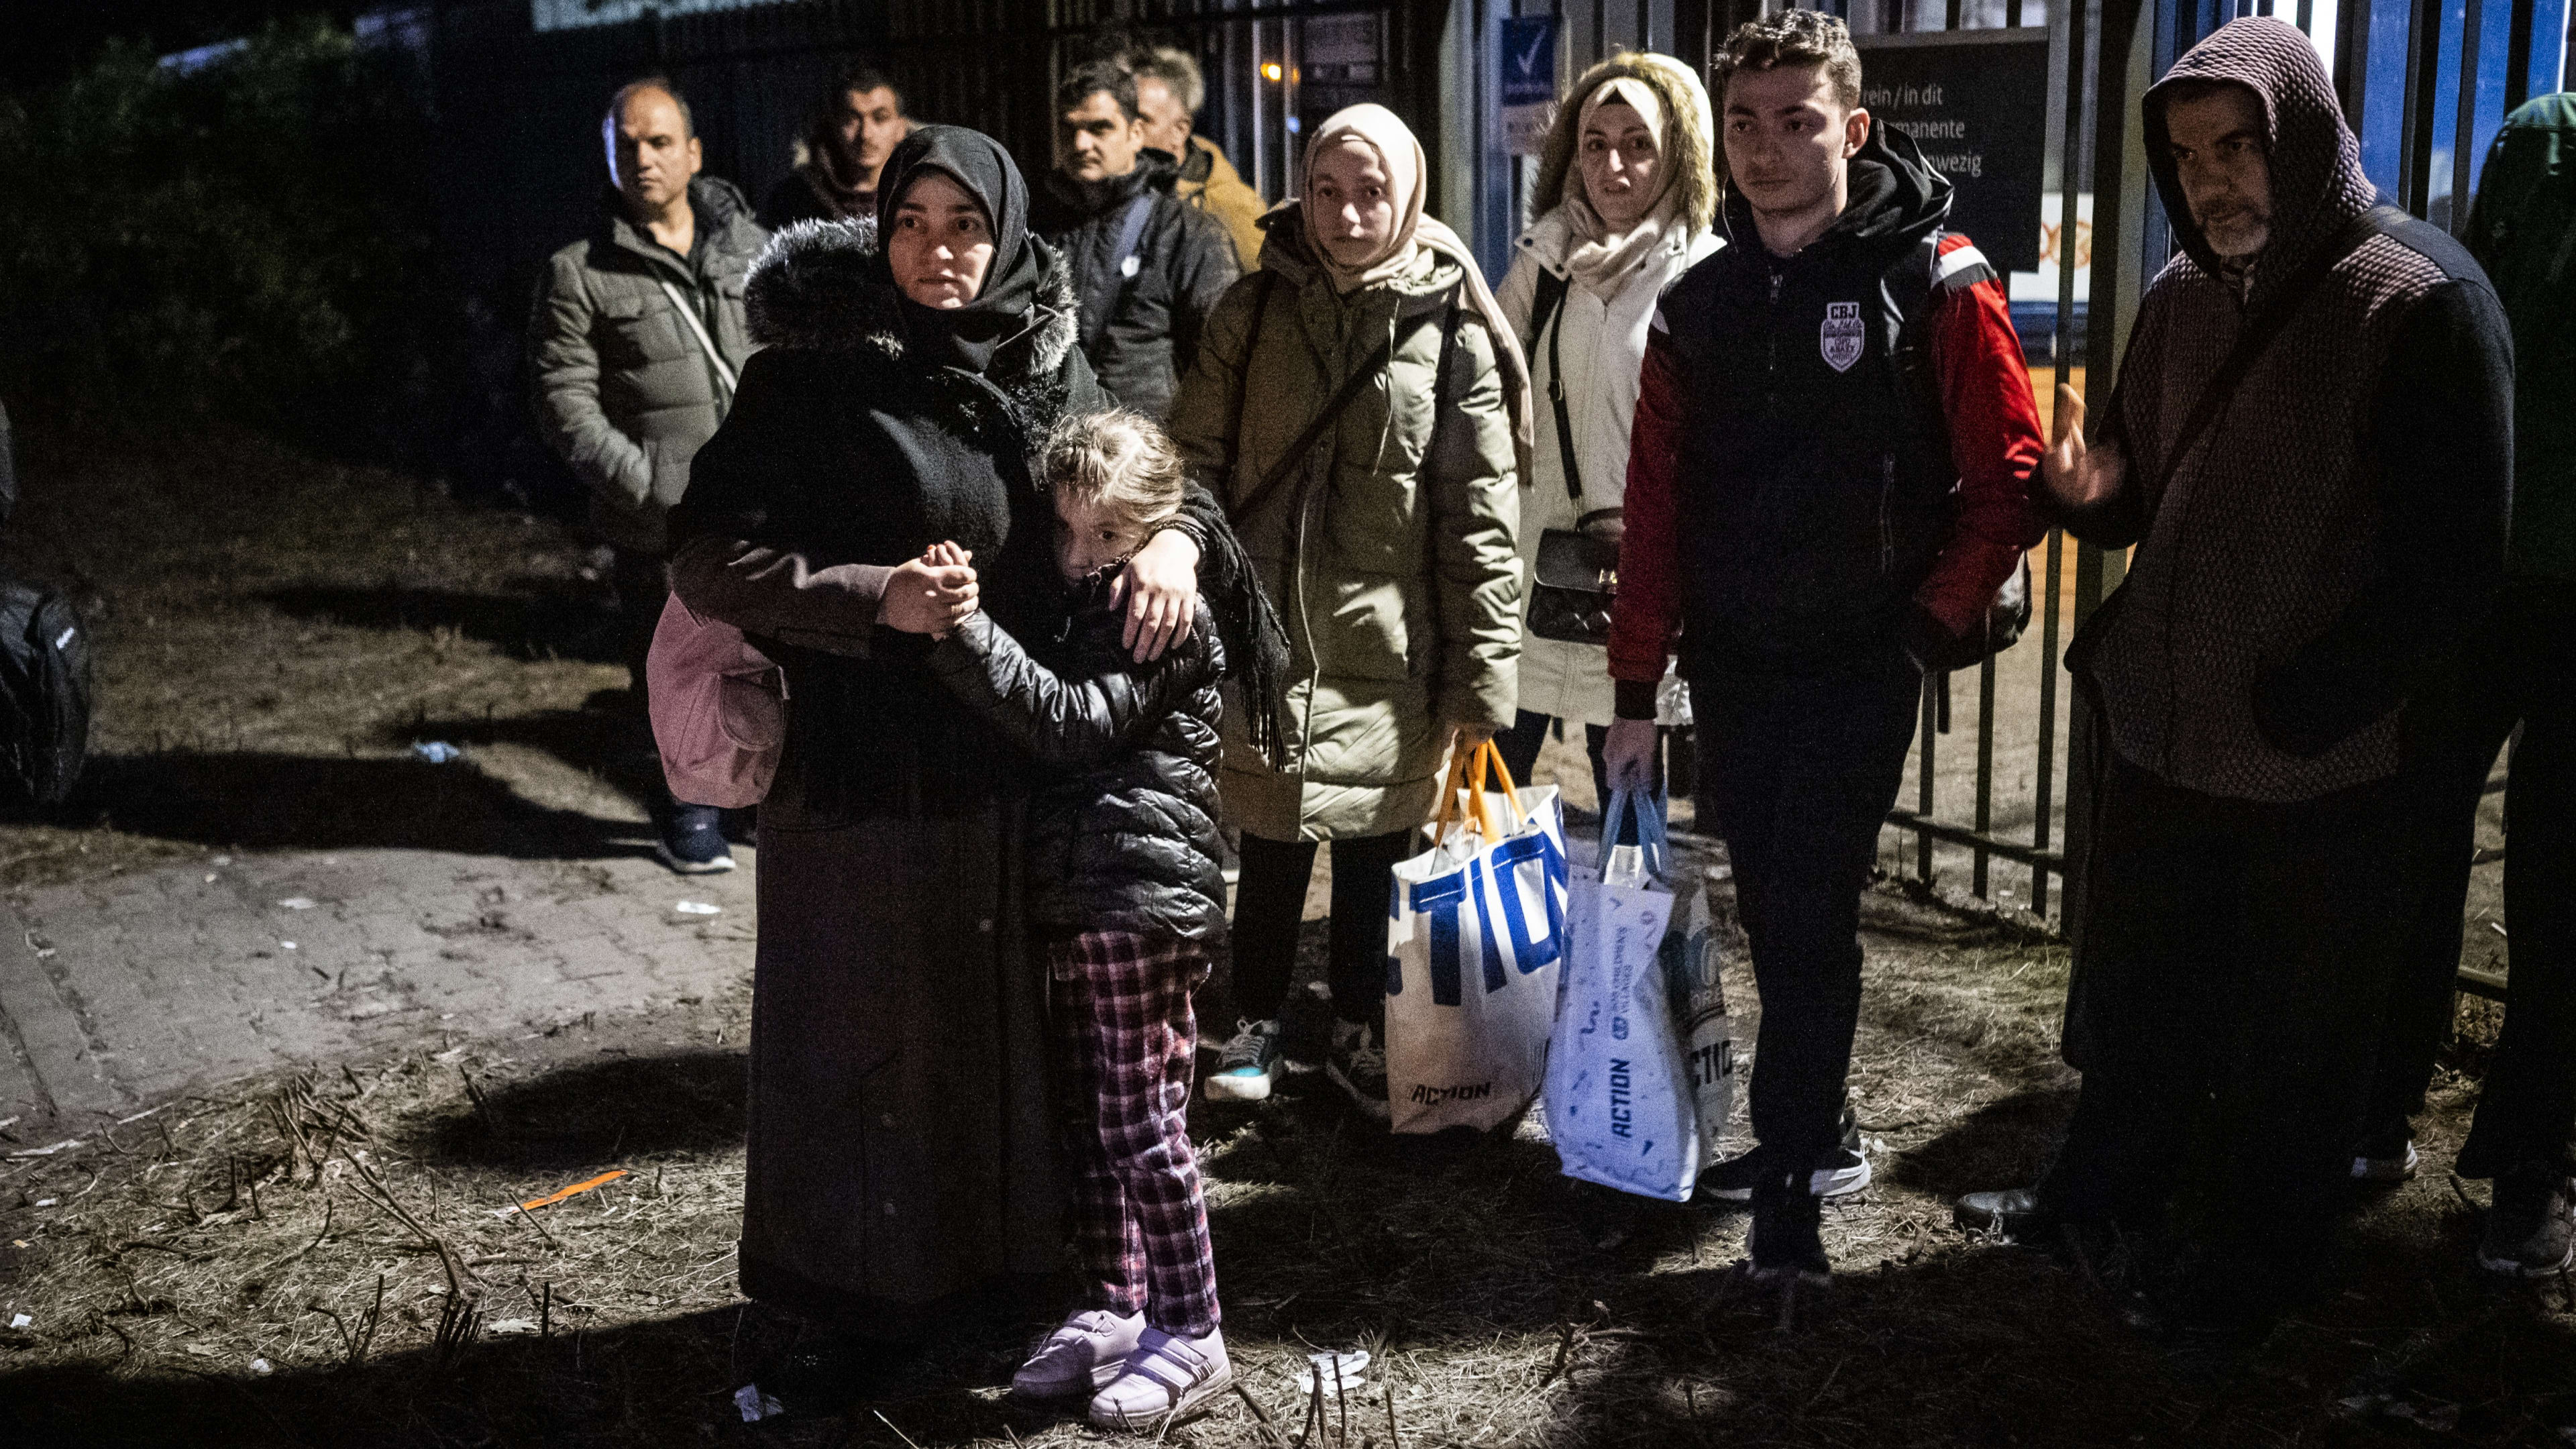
[340,1226]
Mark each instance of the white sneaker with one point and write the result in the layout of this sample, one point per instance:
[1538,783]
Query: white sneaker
[1166,1378]
[1081,1357]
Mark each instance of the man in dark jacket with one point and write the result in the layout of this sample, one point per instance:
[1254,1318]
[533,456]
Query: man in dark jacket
[853,130]
[1147,266]
[632,354]
[2519,668]
[1818,523]
[2311,449]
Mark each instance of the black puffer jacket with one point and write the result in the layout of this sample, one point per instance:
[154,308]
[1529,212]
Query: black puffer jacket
[1122,819]
[1140,332]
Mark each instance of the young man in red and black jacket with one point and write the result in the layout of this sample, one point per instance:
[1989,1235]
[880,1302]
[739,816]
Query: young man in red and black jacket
[1828,482]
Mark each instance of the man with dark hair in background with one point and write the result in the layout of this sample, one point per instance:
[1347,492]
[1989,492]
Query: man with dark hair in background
[1147,266]
[636,340]
[853,130]
[1169,93]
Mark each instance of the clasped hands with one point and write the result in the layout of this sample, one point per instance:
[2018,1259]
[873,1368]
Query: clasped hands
[936,592]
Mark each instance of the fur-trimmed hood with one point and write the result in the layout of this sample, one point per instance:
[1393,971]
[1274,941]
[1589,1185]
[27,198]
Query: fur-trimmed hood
[1690,138]
[823,286]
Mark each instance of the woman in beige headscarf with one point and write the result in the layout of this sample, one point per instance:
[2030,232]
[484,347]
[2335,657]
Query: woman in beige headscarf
[1362,409]
[1626,195]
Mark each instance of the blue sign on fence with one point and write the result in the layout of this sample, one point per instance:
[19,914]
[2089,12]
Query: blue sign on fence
[1528,90]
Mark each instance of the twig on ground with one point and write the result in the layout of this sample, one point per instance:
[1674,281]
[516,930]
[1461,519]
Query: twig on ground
[459,1323]
[1564,1348]
[460,1279]
[1394,1440]
[1342,1399]
[1258,1416]
[889,1423]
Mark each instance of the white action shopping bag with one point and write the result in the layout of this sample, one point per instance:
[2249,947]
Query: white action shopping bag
[1471,952]
[1620,1106]
[1707,1035]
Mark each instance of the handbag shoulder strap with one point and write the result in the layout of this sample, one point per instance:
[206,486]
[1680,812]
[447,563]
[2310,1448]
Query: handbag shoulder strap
[2256,339]
[1360,377]
[698,329]
[1550,308]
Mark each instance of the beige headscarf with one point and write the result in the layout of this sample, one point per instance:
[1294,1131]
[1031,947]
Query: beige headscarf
[1600,261]
[1407,177]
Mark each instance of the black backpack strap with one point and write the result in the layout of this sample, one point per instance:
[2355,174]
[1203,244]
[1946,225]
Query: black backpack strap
[1550,306]
[1122,264]
[1912,290]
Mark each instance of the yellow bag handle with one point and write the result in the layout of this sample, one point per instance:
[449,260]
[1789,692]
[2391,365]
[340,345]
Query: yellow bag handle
[1470,771]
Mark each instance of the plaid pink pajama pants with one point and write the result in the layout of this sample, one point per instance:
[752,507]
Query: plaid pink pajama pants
[1129,1044]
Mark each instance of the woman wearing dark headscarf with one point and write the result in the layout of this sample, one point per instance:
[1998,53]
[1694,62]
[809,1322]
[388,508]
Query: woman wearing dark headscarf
[901,1159]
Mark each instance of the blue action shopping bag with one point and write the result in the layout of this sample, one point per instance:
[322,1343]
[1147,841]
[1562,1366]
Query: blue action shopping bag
[1621,1105]
[1472,942]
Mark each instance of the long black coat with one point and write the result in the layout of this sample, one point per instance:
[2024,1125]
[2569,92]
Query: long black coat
[902,1124]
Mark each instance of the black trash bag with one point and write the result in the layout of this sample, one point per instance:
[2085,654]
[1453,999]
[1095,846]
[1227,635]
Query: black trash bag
[44,694]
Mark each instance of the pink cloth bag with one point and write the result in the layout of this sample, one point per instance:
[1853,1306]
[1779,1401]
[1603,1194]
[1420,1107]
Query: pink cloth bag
[719,710]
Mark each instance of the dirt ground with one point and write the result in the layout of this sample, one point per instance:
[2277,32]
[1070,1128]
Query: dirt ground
[321,1259]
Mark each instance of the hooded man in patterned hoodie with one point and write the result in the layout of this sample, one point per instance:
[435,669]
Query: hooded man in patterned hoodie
[2310,445]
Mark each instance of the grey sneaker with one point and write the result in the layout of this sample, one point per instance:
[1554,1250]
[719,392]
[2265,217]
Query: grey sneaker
[2529,1231]
[1245,1064]
[1080,1358]
[1357,1065]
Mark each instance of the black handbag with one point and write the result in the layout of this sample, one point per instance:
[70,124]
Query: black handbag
[1577,577]
[1577,580]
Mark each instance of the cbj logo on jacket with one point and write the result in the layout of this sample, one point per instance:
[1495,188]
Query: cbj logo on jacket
[1843,337]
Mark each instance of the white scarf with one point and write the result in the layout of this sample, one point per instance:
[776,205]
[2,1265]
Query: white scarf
[1599,261]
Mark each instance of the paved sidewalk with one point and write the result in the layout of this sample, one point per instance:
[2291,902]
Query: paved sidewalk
[123,991]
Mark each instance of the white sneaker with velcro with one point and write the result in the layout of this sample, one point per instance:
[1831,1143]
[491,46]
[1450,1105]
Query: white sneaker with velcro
[1088,1352]
[1166,1378]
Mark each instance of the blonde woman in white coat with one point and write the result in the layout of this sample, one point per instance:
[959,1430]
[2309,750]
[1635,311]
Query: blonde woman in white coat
[1625,199]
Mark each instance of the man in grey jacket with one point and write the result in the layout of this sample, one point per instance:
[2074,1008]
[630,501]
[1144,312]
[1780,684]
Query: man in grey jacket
[632,354]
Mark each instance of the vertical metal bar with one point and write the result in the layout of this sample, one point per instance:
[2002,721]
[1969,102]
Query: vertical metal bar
[2070,185]
[2517,43]
[1923,781]
[2308,16]
[2464,129]
[2012,12]
[1985,769]
[2055,544]
[2423,73]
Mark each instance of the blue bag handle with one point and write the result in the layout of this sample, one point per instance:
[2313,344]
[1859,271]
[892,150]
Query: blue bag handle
[1651,836]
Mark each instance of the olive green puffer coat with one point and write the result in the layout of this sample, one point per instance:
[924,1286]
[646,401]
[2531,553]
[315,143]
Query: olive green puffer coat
[1389,551]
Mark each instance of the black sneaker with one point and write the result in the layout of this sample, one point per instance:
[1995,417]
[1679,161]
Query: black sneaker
[693,841]
[2529,1231]
[1843,1173]
[2011,1213]
[2386,1157]
[1788,1233]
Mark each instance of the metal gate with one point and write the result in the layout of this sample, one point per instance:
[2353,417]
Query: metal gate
[2425,85]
